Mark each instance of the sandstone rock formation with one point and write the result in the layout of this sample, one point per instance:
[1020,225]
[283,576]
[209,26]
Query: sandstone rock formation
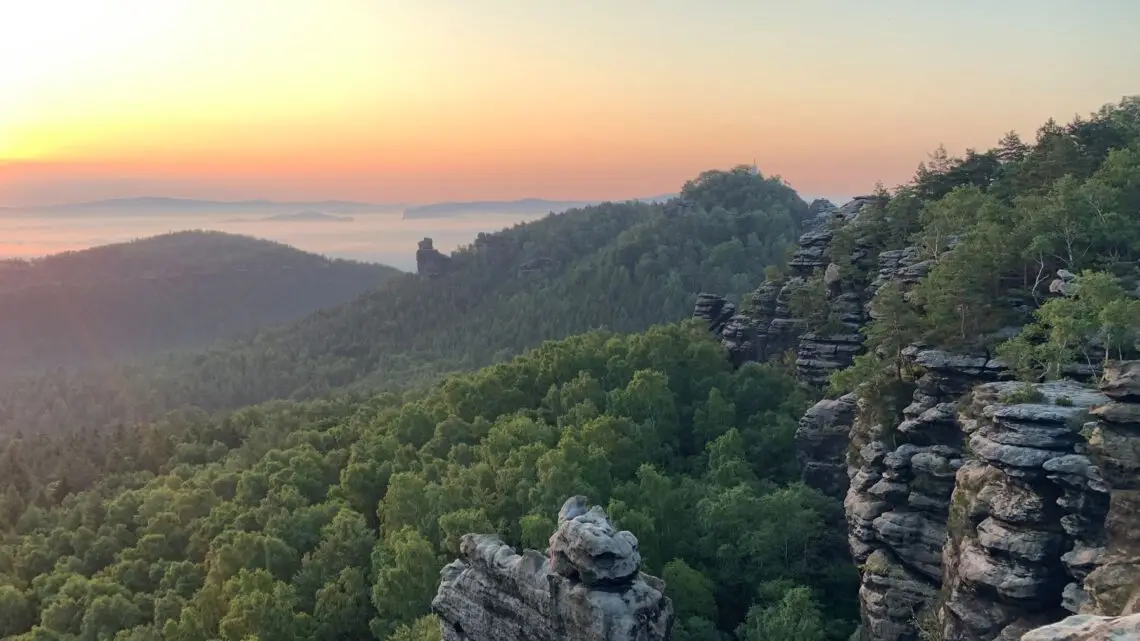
[902,477]
[1089,628]
[1113,585]
[1025,496]
[587,548]
[588,589]
[986,509]
[430,262]
[822,444]
[768,330]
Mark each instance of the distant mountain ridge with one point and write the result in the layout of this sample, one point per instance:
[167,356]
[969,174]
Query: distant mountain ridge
[299,217]
[519,206]
[179,290]
[427,210]
[623,266]
[162,202]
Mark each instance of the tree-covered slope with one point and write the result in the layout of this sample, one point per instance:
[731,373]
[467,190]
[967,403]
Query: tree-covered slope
[623,266]
[331,520]
[1032,254]
[177,290]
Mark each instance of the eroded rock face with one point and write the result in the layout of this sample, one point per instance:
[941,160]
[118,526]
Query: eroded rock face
[588,548]
[1112,583]
[767,330]
[1089,628]
[822,444]
[1024,501]
[591,591]
[899,498]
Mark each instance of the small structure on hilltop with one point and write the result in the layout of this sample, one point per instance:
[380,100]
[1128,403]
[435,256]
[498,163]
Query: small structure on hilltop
[430,263]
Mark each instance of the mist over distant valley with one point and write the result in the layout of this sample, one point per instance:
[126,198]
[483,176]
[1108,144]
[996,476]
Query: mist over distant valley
[381,235]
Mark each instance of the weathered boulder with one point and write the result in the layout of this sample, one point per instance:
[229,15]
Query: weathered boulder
[1084,627]
[493,593]
[588,548]
[1122,382]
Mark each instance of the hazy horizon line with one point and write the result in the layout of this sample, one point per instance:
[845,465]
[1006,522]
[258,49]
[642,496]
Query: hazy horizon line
[342,201]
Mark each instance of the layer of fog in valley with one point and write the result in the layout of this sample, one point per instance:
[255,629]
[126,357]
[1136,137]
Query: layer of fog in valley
[380,235]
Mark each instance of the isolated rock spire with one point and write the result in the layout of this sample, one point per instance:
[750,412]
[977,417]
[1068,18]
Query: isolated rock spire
[589,588]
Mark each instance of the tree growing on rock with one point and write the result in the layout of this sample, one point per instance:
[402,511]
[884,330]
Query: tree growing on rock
[1096,318]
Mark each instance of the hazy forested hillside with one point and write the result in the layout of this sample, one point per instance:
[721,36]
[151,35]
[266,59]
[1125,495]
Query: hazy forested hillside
[178,290]
[330,520]
[623,266]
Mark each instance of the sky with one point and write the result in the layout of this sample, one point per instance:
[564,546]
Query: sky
[431,100]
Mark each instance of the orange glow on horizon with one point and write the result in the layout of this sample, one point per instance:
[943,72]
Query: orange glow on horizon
[387,100]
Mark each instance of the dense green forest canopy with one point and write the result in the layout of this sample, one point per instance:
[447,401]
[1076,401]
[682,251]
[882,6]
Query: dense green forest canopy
[330,520]
[179,290]
[998,227]
[622,266]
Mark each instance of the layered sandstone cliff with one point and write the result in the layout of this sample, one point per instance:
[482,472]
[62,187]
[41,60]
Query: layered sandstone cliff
[977,508]
[902,478]
[768,330]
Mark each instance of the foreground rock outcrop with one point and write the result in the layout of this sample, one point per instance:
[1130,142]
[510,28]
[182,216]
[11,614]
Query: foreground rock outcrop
[1089,628]
[588,588]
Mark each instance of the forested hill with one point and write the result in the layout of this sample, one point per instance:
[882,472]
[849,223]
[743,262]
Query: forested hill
[177,290]
[331,520]
[623,266]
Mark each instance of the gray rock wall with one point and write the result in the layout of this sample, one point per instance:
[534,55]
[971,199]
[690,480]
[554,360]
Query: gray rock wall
[1112,585]
[901,481]
[1023,499]
[768,330]
[822,442]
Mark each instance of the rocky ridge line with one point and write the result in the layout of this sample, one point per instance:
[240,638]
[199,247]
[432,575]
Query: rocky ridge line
[767,330]
[927,570]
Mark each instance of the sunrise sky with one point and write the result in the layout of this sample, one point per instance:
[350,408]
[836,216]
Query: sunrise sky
[428,100]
